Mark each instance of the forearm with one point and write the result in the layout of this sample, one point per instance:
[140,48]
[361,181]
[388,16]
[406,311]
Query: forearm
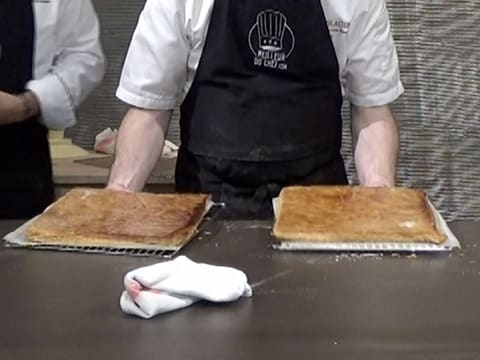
[376,145]
[139,145]
[17,108]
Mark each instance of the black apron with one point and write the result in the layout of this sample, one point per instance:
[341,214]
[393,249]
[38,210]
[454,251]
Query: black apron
[264,109]
[26,185]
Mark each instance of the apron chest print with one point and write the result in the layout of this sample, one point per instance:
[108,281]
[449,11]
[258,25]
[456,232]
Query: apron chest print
[271,40]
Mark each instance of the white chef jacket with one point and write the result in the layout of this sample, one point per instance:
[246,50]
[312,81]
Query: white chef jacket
[69,61]
[167,44]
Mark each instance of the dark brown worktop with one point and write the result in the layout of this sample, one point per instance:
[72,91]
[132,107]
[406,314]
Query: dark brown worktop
[305,305]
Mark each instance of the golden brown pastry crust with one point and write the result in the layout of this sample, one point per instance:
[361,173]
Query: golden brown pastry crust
[115,219]
[355,214]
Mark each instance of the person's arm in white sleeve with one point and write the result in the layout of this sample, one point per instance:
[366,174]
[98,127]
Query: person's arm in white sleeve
[373,81]
[152,82]
[78,67]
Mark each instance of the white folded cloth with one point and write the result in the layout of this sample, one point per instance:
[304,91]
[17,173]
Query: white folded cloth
[178,283]
[170,150]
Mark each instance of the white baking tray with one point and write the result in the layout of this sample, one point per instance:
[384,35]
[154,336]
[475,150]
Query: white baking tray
[366,246]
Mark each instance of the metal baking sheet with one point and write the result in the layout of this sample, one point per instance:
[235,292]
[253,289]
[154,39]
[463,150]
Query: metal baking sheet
[18,239]
[366,246]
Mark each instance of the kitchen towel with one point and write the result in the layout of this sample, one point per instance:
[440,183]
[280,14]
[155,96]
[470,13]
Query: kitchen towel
[178,283]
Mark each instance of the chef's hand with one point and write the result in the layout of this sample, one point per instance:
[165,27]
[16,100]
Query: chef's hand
[379,183]
[17,108]
[117,187]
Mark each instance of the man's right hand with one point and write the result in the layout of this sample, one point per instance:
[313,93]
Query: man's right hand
[11,108]
[17,108]
[117,187]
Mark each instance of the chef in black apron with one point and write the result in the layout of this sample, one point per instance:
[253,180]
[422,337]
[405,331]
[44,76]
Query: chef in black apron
[264,110]
[26,185]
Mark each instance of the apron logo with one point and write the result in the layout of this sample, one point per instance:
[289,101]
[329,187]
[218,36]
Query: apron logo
[271,40]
